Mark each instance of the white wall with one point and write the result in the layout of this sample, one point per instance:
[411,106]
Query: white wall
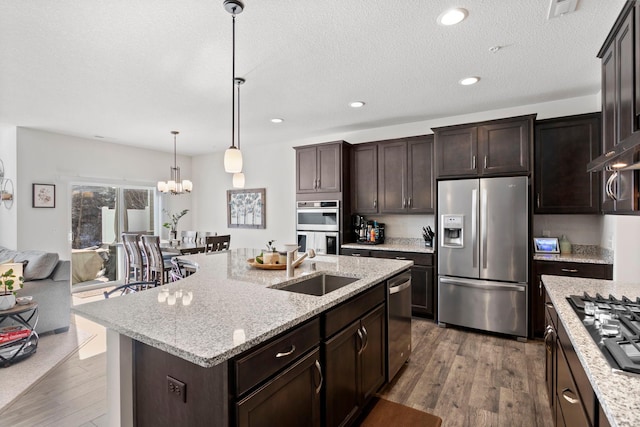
[622,234]
[49,158]
[579,229]
[272,168]
[9,217]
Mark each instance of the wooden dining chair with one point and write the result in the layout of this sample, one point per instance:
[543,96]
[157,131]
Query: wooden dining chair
[191,251]
[218,243]
[201,237]
[188,236]
[157,267]
[134,261]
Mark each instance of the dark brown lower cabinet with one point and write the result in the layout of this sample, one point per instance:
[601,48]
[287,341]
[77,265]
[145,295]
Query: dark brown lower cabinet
[354,367]
[423,289]
[572,399]
[292,398]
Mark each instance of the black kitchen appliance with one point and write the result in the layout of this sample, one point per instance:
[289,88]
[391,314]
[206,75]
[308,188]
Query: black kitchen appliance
[614,324]
[357,224]
[367,232]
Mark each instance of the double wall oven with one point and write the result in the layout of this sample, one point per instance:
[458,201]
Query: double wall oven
[318,226]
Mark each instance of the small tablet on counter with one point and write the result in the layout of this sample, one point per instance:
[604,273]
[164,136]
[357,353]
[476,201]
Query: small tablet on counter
[546,245]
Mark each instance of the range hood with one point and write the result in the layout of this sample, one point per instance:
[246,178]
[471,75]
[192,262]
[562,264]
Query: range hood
[626,152]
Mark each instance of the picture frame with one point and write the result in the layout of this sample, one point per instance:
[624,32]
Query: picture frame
[546,245]
[44,196]
[246,208]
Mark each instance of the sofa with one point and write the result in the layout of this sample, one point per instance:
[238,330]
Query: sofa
[48,280]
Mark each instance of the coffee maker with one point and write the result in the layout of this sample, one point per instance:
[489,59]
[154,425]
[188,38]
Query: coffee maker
[358,224]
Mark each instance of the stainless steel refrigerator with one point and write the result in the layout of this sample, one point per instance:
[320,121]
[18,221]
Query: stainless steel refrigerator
[483,254]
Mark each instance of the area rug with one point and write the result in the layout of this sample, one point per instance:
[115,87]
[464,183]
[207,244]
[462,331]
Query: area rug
[386,413]
[52,350]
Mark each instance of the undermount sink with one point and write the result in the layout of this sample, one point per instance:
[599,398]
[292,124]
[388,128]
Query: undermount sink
[319,285]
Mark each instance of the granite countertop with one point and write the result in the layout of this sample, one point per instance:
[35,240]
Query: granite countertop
[227,306]
[582,258]
[394,244]
[618,393]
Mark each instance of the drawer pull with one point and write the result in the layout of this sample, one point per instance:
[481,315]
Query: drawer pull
[287,353]
[549,305]
[355,255]
[569,270]
[570,396]
[401,257]
[319,368]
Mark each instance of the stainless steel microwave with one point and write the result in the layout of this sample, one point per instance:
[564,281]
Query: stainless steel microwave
[318,216]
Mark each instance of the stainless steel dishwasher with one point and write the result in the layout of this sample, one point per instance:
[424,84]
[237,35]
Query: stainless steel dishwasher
[399,322]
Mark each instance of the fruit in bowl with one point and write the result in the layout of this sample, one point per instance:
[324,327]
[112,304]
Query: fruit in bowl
[24,300]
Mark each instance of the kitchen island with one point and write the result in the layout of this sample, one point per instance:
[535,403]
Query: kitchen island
[224,310]
[618,393]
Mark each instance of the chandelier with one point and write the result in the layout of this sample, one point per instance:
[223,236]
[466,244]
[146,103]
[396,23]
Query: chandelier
[175,185]
[233,156]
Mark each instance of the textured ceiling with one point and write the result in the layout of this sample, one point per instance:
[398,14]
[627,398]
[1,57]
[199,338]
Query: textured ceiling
[132,71]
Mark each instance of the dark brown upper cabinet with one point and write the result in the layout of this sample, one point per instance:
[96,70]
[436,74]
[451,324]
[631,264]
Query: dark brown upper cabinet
[492,148]
[319,168]
[563,147]
[364,178]
[620,56]
[405,175]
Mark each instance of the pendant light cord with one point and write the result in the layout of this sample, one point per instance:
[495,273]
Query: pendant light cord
[233,79]
[239,116]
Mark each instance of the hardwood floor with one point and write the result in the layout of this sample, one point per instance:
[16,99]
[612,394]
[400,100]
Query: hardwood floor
[466,378]
[473,379]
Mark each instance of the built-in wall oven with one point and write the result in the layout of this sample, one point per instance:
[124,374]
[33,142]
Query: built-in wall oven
[318,226]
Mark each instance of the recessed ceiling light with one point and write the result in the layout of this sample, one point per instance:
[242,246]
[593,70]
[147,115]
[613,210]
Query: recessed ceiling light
[276,120]
[356,104]
[469,81]
[452,16]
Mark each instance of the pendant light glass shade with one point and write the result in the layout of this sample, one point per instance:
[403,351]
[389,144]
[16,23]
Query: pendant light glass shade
[175,185]
[233,160]
[238,180]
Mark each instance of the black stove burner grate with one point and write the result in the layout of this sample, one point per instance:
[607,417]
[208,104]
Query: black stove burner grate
[621,347]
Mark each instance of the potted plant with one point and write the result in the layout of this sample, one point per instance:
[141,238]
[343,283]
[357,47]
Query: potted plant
[173,224]
[10,277]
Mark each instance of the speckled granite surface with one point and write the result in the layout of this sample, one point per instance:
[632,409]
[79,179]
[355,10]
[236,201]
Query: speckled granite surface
[394,244]
[618,393]
[231,305]
[582,258]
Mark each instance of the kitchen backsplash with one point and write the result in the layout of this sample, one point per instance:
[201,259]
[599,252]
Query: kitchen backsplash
[579,229]
[404,226]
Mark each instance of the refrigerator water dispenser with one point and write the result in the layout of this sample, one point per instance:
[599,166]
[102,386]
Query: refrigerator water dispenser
[452,231]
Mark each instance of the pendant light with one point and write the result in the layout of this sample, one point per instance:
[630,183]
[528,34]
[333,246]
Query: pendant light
[238,177]
[175,185]
[233,156]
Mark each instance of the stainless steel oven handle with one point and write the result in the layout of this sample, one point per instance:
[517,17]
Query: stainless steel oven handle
[472,284]
[399,288]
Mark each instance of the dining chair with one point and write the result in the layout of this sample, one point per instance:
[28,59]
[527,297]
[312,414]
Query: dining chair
[134,265]
[191,251]
[188,236]
[157,267]
[201,237]
[218,243]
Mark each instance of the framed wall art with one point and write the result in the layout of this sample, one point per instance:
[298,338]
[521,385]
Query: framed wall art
[44,196]
[246,208]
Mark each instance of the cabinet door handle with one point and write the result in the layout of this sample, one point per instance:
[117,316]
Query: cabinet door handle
[361,349]
[366,338]
[569,270]
[538,200]
[287,353]
[318,185]
[473,162]
[375,203]
[319,368]
[570,396]
[409,202]
[540,287]
[485,162]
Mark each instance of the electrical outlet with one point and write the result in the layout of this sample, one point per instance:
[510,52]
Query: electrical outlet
[176,388]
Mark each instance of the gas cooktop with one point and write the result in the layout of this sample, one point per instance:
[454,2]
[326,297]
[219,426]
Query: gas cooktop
[614,324]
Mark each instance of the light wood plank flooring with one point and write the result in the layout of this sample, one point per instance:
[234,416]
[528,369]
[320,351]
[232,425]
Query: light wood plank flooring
[466,378]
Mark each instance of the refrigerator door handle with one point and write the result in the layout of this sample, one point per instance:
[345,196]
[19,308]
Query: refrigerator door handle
[483,227]
[483,285]
[474,228]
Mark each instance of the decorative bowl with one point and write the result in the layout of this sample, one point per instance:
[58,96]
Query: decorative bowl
[24,300]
